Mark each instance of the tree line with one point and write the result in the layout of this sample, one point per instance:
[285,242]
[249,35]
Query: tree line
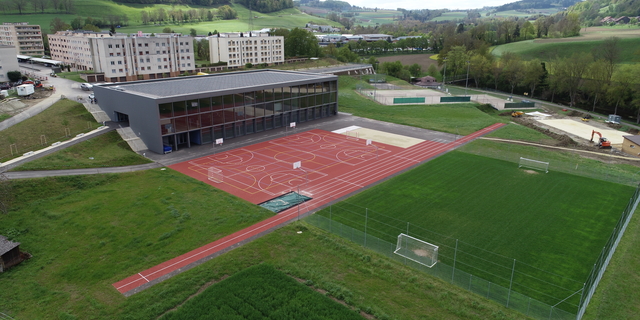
[266,6]
[38,6]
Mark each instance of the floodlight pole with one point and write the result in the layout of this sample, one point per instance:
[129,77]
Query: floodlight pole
[467,83]
[444,79]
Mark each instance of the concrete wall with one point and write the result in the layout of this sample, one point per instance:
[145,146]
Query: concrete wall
[143,114]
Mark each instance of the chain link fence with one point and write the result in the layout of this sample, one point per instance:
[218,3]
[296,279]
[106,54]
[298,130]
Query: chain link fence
[503,293]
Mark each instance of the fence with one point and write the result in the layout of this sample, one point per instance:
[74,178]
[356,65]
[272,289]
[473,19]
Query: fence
[607,252]
[566,162]
[503,294]
[408,100]
[455,99]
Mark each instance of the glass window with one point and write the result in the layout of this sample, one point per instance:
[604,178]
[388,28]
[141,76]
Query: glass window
[326,98]
[166,126]
[216,103]
[229,115]
[194,122]
[277,107]
[326,87]
[268,95]
[295,104]
[239,111]
[286,93]
[218,117]
[248,126]
[238,100]
[249,98]
[304,102]
[332,97]
[259,96]
[206,120]
[206,135]
[317,112]
[179,108]
[217,132]
[227,101]
[249,112]
[205,105]
[277,121]
[277,94]
[228,130]
[181,124]
[310,114]
[303,115]
[259,125]
[268,123]
[192,106]
[165,110]
[295,91]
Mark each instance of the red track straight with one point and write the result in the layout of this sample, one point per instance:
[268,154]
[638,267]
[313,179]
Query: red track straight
[332,167]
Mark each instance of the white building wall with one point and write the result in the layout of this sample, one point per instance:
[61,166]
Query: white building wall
[237,50]
[8,62]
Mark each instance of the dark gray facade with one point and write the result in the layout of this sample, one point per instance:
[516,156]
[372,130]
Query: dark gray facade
[180,112]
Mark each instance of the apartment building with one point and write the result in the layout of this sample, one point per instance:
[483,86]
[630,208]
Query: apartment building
[73,48]
[121,57]
[238,49]
[8,62]
[26,38]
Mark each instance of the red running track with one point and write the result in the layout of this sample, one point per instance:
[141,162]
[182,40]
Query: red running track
[341,183]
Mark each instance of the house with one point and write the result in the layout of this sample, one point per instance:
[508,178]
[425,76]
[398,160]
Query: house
[623,19]
[607,19]
[10,254]
[427,81]
[631,145]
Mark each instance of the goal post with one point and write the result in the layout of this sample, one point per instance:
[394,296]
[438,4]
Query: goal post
[534,164]
[214,174]
[417,250]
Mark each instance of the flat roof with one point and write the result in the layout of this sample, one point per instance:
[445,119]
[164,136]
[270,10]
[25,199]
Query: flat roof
[186,86]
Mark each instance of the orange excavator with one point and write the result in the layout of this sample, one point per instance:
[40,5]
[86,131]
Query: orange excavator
[603,143]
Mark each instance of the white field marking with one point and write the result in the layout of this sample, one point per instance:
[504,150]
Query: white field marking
[143,276]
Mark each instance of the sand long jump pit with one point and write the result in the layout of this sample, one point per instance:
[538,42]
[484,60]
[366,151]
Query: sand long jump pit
[584,130]
[356,132]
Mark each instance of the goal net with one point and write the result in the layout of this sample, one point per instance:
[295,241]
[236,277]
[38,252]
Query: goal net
[214,174]
[417,250]
[534,164]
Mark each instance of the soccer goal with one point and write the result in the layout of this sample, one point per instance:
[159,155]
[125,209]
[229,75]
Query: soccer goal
[534,164]
[417,250]
[215,174]
[352,135]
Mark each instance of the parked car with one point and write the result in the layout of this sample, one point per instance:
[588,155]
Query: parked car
[86,86]
[5,86]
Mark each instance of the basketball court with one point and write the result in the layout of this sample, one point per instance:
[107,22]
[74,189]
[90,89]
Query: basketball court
[321,165]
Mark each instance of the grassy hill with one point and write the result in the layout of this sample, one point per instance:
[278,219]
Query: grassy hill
[288,18]
[531,49]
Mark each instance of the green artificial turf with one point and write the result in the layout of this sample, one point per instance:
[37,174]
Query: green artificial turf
[553,224]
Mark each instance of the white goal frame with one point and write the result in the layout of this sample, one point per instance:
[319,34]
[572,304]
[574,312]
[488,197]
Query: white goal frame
[534,164]
[417,250]
[214,174]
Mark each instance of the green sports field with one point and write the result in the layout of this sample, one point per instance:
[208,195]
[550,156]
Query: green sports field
[552,224]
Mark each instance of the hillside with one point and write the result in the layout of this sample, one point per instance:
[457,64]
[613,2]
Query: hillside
[592,11]
[535,4]
[102,9]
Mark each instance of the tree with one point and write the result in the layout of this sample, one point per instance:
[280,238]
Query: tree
[90,27]
[19,5]
[144,17]
[569,73]
[193,32]
[622,85]
[58,25]
[77,23]
[609,52]
[14,76]
[514,71]
[300,42]
[227,13]
[39,5]
[166,30]
[68,6]
[533,74]
[415,70]
[209,15]
[56,4]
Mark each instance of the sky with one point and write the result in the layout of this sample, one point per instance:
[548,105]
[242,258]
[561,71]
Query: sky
[429,4]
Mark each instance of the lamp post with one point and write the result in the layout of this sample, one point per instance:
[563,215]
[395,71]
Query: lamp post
[375,81]
[466,85]
[444,79]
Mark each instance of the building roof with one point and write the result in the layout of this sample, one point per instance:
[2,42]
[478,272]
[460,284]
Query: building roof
[186,86]
[634,139]
[6,245]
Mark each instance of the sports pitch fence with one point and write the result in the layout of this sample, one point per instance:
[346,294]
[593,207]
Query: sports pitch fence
[510,276]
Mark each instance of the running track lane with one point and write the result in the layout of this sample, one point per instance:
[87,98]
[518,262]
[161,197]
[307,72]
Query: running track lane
[327,191]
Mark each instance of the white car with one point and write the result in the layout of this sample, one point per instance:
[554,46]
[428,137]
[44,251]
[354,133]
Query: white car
[86,86]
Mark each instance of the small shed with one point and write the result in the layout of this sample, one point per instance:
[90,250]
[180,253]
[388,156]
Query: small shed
[631,145]
[427,81]
[9,253]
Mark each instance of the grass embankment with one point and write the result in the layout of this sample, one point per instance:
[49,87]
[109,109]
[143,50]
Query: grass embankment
[461,118]
[288,18]
[87,232]
[531,49]
[446,199]
[261,292]
[106,150]
[73,75]
[63,120]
